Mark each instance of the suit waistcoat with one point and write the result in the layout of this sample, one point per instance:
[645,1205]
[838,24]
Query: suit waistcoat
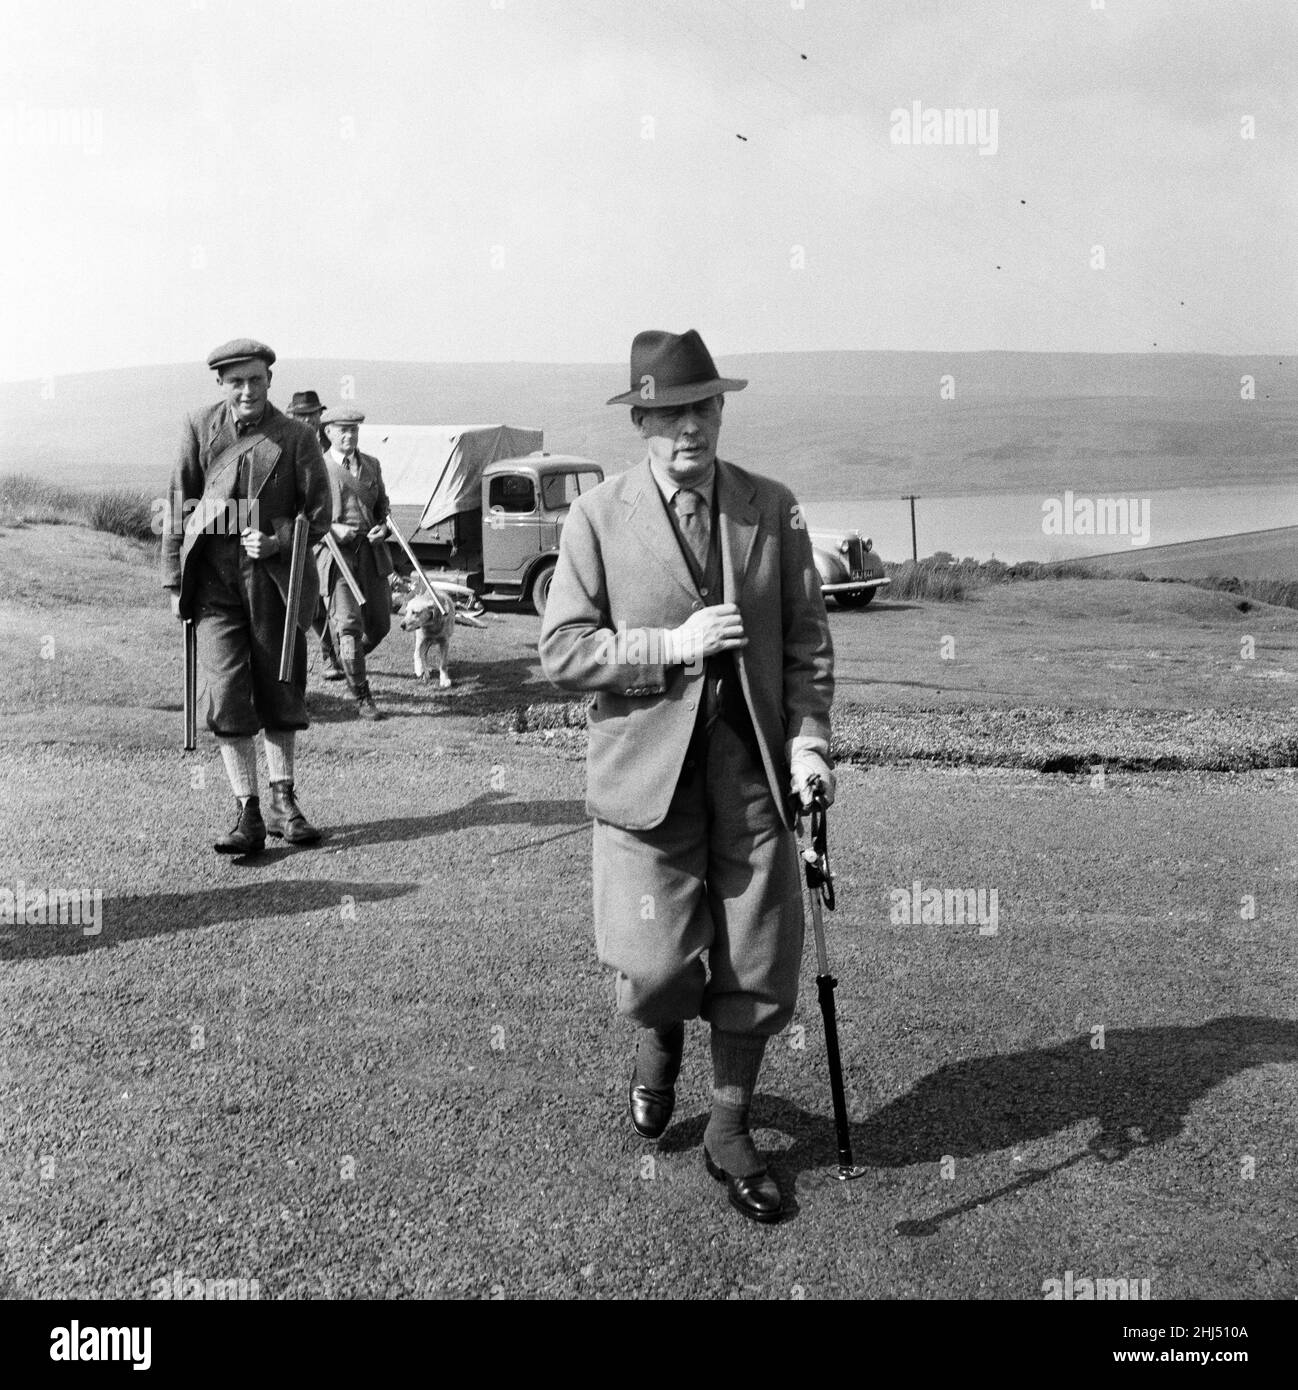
[355,498]
[722,696]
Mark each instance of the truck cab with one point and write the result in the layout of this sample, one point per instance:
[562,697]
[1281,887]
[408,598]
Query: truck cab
[525,502]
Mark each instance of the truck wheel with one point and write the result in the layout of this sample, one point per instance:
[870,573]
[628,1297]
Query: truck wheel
[540,591]
[856,600]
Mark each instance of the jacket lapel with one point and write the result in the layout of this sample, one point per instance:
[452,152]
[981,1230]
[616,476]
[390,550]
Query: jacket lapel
[221,435]
[647,520]
[738,517]
[266,454]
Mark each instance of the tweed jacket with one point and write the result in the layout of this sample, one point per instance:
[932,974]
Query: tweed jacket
[621,580]
[368,484]
[285,477]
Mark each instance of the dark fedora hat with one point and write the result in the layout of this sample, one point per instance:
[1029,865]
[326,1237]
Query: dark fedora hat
[672,369]
[304,403]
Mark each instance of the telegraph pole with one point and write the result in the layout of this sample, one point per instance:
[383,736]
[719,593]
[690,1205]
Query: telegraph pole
[914,546]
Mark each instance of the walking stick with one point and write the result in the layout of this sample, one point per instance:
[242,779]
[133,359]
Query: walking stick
[191,686]
[820,889]
[293,602]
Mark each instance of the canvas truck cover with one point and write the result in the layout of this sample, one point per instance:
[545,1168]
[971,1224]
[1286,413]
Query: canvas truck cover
[438,468]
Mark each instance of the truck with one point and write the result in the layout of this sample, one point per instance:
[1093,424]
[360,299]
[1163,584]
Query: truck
[481,505]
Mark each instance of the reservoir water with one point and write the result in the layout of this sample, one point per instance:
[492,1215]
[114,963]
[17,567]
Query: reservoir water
[1010,526]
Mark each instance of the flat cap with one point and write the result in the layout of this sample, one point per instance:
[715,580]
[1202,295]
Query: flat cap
[239,350]
[343,415]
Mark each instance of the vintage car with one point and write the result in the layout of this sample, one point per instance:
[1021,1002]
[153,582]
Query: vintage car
[850,570]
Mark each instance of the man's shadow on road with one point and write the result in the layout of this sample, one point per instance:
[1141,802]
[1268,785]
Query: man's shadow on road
[490,809]
[1139,1088]
[133,918]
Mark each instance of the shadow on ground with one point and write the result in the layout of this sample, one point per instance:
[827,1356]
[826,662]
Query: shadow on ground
[490,809]
[1139,1089]
[134,917]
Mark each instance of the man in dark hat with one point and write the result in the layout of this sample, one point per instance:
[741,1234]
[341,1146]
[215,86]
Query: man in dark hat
[687,602]
[360,511]
[243,474]
[306,407]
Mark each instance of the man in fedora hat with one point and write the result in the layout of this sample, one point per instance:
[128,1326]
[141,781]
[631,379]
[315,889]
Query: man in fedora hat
[687,602]
[243,474]
[360,510]
[306,406]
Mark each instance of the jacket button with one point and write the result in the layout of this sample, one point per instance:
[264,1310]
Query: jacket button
[694,607]
[704,592]
[689,704]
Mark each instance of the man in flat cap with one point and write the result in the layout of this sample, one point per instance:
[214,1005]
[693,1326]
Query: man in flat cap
[360,511]
[243,473]
[687,602]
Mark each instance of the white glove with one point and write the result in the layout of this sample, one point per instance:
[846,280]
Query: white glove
[806,767]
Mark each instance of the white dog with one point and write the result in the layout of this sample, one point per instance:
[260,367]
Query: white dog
[432,618]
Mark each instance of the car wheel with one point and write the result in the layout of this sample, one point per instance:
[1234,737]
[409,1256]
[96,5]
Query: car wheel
[541,589]
[856,600]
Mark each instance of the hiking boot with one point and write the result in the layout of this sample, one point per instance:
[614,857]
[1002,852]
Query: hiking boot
[248,835]
[285,820]
[365,706]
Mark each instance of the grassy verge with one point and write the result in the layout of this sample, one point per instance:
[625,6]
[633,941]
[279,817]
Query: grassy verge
[942,579]
[28,500]
[1045,740]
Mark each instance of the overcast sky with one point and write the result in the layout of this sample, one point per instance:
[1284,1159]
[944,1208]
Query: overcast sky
[488,180]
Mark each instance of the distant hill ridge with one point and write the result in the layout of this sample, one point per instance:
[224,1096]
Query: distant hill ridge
[828,423]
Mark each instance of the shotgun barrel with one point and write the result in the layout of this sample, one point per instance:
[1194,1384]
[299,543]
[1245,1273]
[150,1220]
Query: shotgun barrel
[344,569]
[191,686]
[445,586]
[293,602]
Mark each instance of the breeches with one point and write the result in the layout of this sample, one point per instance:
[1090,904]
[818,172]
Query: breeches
[239,629]
[369,625]
[718,877]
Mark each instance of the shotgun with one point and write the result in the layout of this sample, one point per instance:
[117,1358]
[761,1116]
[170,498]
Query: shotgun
[293,601]
[191,686]
[343,568]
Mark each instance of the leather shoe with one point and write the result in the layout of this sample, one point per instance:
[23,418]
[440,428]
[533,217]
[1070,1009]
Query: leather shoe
[756,1195]
[651,1109]
[333,672]
[285,820]
[248,835]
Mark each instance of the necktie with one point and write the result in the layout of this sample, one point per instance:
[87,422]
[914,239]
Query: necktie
[696,525]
